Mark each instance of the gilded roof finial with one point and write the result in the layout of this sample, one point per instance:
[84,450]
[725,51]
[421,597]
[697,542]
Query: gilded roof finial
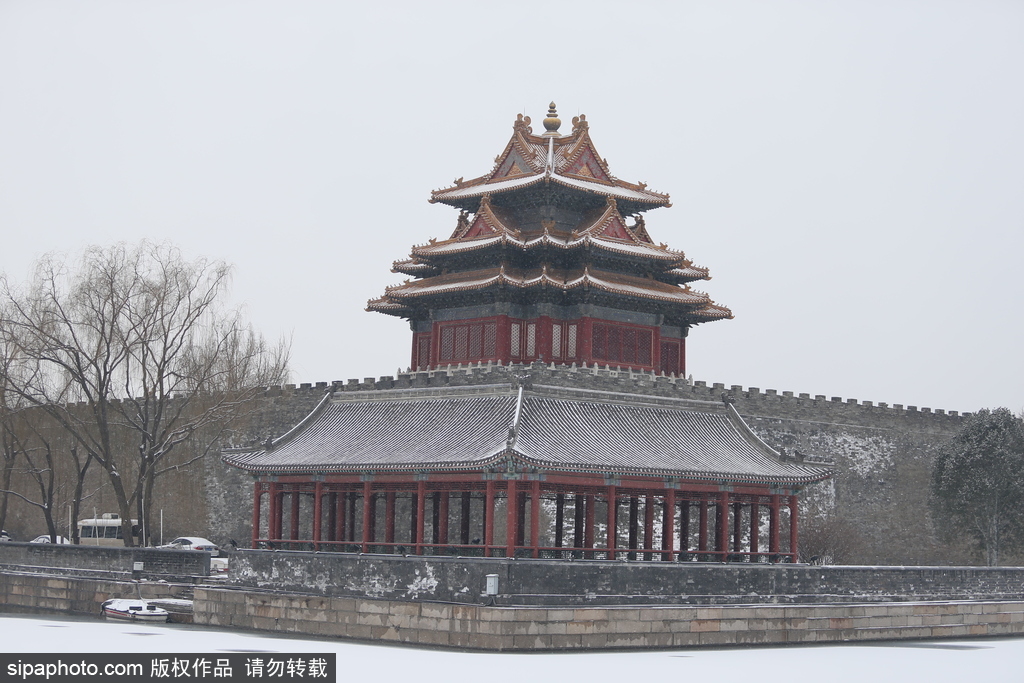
[552,122]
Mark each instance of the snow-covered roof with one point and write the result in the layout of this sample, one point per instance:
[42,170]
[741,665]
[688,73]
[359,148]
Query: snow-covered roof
[616,434]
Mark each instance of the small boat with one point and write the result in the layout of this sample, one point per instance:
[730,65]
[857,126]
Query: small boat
[133,610]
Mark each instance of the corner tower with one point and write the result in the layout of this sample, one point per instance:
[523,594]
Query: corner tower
[550,260]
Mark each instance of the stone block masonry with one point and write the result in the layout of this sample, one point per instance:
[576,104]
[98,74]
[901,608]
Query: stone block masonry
[112,562]
[597,582]
[57,593]
[526,627]
[479,627]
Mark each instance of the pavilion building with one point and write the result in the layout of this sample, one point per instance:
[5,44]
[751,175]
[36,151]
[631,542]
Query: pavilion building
[543,414]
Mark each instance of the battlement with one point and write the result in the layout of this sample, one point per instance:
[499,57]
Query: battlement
[748,400]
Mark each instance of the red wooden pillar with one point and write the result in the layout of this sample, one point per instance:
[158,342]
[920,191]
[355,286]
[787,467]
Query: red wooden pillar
[257,501]
[389,519]
[702,532]
[421,503]
[755,530]
[737,527]
[535,518]
[442,521]
[612,520]
[668,526]
[295,512]
[648,525]
[367,516]
[722,526]
[488,517]
[793,528]
[318,497]
[773,528]
[511,518]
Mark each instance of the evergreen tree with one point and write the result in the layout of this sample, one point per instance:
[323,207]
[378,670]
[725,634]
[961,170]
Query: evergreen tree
[978,480]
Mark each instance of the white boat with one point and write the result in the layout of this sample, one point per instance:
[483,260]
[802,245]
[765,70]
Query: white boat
[133,610]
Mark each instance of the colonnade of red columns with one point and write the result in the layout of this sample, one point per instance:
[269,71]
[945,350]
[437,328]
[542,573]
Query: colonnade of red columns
[728,525]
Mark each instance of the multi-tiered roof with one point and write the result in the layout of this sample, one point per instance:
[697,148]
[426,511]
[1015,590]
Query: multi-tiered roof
[550,223]
[549,275]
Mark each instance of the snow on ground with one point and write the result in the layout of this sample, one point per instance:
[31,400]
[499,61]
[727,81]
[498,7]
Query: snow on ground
[903,662]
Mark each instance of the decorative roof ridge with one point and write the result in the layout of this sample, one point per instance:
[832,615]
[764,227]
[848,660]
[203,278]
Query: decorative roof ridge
[515,238]
[555,392]
[690,475]
[610,212]
[521,141]
[579,142]
[737,420]
[272,443]
[423,393]
[650,196]
[599,279]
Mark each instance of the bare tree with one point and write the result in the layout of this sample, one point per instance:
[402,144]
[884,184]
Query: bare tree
[830,539]
[133,355]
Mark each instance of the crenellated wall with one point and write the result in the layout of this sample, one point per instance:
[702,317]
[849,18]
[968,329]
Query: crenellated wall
[882,453]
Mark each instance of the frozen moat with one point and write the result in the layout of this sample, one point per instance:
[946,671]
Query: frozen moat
[905,661]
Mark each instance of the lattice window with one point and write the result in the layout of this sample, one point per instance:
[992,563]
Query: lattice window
[490,338]
[614,344]
[447,350]
[628,353]
[570,342]
[669,358]
[531,340]
[600,341]
[476,341]
[515,333]
[461,339]
[617,344]
[423,353]
[644,341]
[556,340]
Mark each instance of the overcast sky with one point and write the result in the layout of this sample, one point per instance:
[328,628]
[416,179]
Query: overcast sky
[851,172]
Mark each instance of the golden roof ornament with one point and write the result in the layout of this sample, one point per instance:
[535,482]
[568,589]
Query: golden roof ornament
[552,122]
[521,125]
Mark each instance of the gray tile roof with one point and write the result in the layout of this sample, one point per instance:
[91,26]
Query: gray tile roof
[627,434]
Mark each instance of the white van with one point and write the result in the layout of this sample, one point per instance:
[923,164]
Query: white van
[104,530]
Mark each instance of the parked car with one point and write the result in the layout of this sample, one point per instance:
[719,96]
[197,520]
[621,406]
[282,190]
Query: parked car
[193,543]
[45,538]
[4,536]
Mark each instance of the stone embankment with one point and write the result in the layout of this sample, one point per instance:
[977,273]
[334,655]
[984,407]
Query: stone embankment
[576,605]
[479,627]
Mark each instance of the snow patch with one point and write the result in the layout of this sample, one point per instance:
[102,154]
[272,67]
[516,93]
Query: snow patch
[864,454]
[372,584]
[422,583]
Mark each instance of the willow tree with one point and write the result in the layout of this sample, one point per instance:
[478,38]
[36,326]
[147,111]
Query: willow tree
[133,353]
[978,480]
